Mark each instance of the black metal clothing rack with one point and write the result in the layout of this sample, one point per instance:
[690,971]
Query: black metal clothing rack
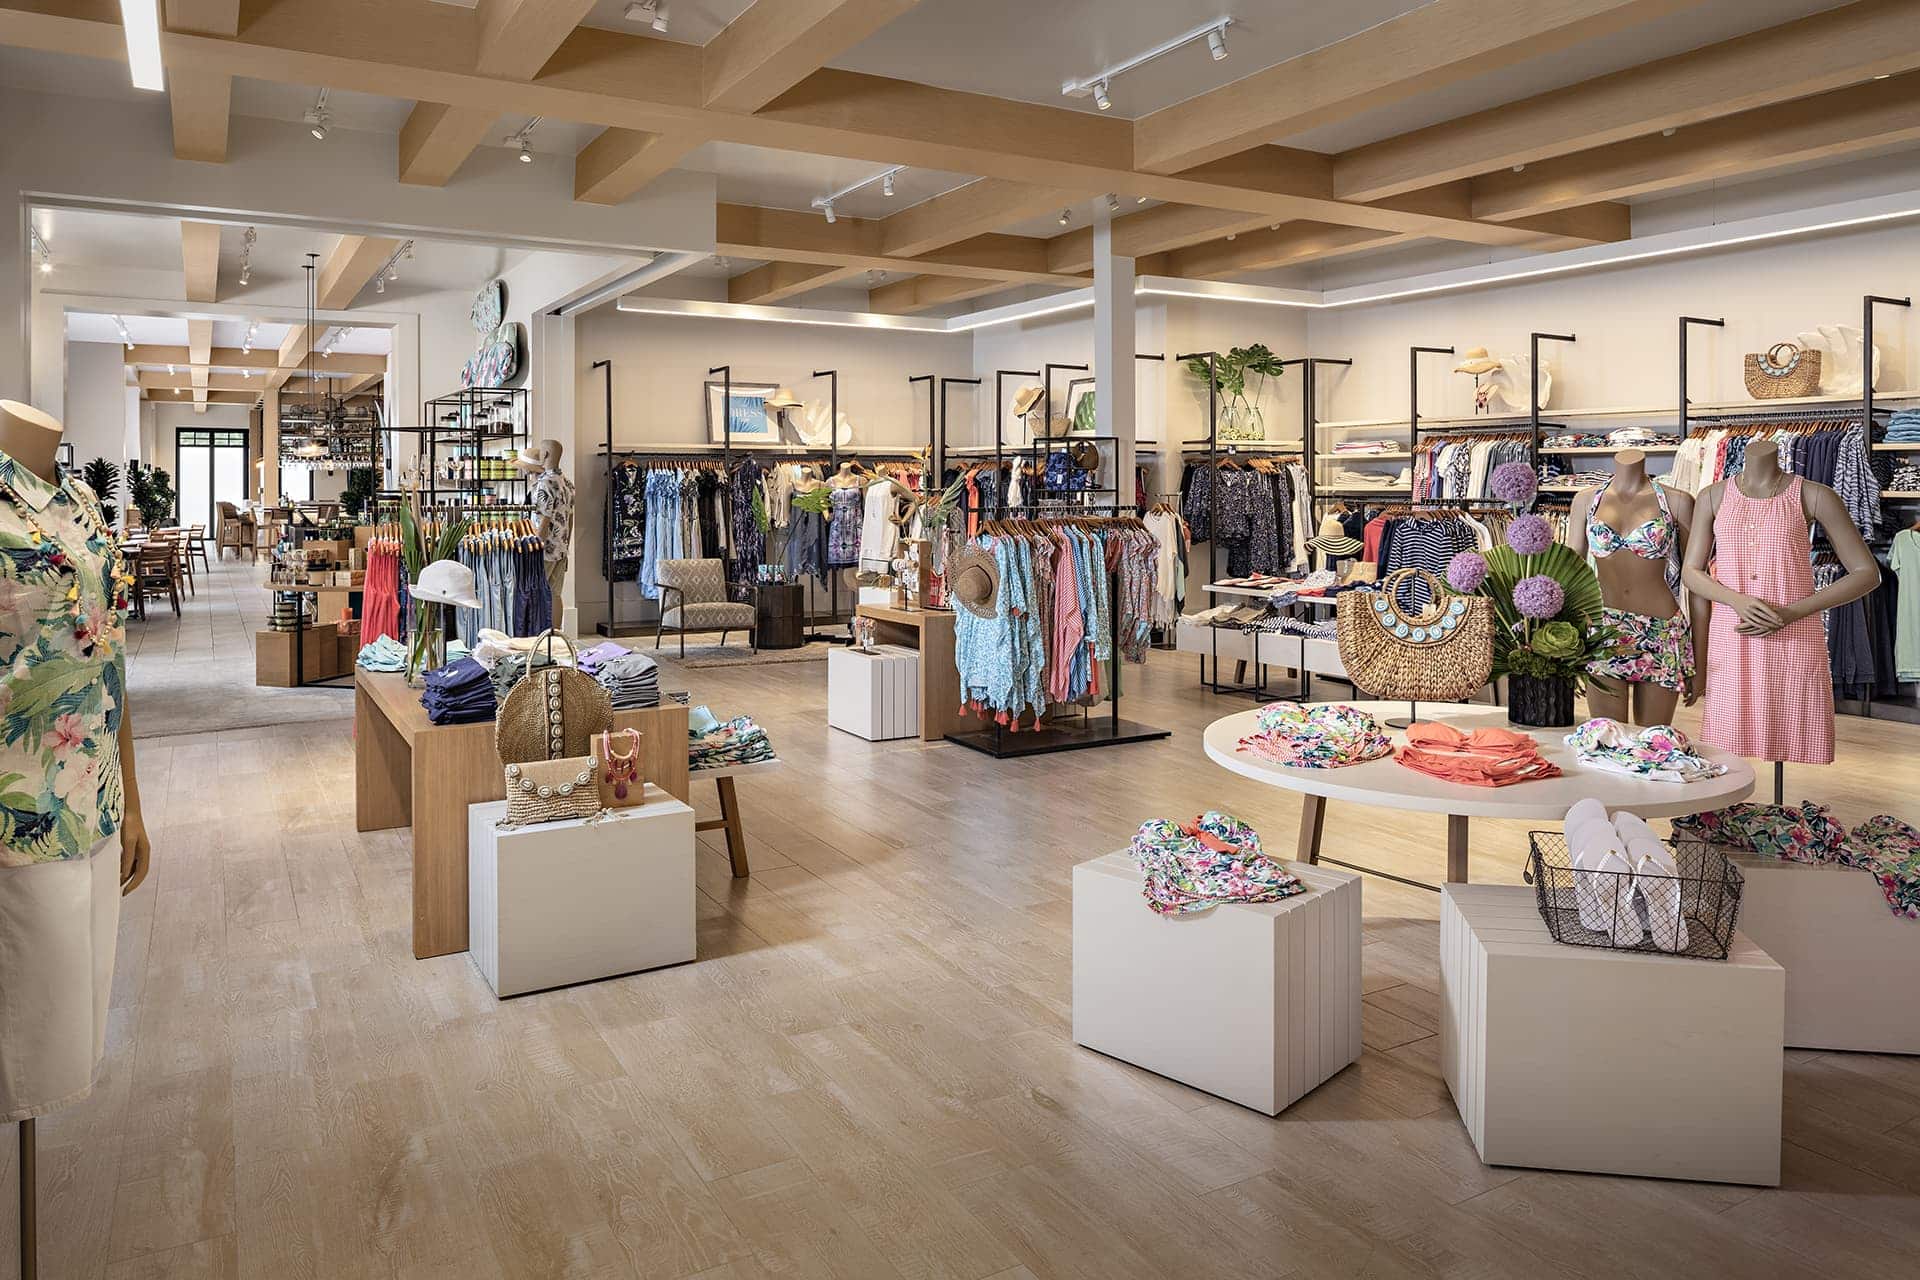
[1533,394]
[1686,323]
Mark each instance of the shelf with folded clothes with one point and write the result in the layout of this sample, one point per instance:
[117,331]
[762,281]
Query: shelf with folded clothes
[1611,449]
[1694,407]
[1905,446]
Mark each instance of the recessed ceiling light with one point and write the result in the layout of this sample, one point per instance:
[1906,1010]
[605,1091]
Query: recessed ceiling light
[1668,133]
[1520,168]
[1233,235]
[141,18]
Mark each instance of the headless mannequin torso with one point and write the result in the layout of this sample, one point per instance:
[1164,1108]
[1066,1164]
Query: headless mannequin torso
[1635,584]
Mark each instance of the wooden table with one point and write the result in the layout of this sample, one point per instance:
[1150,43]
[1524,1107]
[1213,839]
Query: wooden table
[1390,785]
[931,632]
[729,819]
[319,592]
[409,772]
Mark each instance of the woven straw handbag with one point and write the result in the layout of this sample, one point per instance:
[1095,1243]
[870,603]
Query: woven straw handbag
[1773,376]
[1443,653]
[550,790]
[552,713]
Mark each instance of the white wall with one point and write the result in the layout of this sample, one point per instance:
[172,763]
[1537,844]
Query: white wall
[660,368]
[97,401]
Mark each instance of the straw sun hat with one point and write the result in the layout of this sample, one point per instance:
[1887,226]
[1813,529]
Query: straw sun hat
[1476,361]
[974,581]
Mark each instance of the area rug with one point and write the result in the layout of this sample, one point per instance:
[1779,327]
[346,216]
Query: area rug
[730,655]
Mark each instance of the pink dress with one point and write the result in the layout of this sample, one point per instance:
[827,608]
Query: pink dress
[1768,697]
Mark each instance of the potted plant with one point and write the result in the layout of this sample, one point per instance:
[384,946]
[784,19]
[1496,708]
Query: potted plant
[427,643]
[151,490]
[1241,376]
[359,492]
[1546,608]
[103,478]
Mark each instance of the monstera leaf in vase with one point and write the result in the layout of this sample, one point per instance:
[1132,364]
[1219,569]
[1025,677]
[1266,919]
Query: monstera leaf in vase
[1841,347]
[1509,383]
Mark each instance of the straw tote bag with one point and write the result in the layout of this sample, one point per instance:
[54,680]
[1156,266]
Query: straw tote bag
[1772,376]
[552,713]
[1443,653]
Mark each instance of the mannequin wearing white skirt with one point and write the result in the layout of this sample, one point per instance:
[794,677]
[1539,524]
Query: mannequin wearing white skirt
[72,841]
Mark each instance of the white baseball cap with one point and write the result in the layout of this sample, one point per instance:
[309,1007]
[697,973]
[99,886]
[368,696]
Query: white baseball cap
[447,582]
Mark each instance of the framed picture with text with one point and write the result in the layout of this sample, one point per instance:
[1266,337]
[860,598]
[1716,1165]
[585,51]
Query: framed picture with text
[752,421]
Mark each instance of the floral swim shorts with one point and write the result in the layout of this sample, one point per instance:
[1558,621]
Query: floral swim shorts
[1645,650]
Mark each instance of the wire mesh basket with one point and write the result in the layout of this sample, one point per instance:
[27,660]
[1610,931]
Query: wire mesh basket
[1691,914]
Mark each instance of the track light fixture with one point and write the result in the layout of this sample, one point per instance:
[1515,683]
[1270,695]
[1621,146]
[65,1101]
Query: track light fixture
[1098,85]
[1066,216]
[524,137]
[247,242]
[651,12]
[721,262]
[1520,168]
[317,118]
[38,244]
[1113,202]
[1139,199]
[825,204]
[125,337]
[380,285]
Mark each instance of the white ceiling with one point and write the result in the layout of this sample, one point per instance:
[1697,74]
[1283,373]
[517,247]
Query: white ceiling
[171,331]
[790,179]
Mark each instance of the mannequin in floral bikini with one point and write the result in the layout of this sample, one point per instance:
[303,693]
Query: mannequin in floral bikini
[1659,655]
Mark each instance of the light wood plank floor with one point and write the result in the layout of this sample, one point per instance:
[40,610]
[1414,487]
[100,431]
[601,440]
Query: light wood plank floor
[868,1073]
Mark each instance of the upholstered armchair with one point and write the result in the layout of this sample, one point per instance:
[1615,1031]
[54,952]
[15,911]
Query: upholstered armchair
[693,597]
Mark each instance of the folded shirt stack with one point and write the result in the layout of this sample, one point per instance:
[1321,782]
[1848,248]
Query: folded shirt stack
[712,744]
[511,667]
[384,654]
[590,660]
[459,693]
[1905,478]
[1213,859]
[1328,735]
[631,679]
[1574,440]
[1363,447]
[1635,438]
[1659,753]
[1483,758]
[1903,427]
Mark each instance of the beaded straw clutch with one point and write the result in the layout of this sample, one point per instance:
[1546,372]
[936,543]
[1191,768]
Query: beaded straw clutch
[550,790]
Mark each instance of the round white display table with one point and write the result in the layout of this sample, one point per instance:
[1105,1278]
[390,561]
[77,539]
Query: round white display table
[1390,785]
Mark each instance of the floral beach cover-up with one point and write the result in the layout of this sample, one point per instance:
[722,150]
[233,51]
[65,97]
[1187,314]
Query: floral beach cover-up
[1883,846]
[1213,859]
[62,624]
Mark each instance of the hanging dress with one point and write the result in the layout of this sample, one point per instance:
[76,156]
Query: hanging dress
[1768,697]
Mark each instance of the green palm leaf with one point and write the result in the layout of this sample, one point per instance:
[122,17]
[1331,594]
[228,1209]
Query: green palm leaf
[1505,567]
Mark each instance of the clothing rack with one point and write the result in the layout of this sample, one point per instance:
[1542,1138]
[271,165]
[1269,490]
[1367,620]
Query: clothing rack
[1533,395]
[1686,324]
[1413,393]
[937,453]
[1867,304]
[1000,377]
[1003,745]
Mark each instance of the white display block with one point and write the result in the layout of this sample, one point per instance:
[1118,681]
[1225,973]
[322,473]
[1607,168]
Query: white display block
[875,695]
[1564,1057]
[1832,931]
[1257,1003]
[563,902]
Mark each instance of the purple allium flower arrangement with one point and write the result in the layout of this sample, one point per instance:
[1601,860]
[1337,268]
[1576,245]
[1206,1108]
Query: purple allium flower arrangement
[1529,535]
[1538,597]
[1466,571]
[1514,483]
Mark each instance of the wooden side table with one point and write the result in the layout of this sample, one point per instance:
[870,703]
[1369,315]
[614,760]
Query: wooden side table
[781,615]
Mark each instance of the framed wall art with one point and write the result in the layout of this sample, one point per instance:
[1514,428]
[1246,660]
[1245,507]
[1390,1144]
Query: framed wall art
[752,422]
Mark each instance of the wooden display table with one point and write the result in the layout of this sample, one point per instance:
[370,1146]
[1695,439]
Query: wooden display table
[297,668]
[931,632]
[408,771]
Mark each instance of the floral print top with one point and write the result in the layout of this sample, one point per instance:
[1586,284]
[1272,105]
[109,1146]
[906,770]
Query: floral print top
[63,608]
[1197,865]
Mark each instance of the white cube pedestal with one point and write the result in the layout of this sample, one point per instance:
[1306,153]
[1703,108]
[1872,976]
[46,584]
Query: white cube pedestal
[875,695]
[1257,1003]
[1563,1057]
[1832,931]
[564,902]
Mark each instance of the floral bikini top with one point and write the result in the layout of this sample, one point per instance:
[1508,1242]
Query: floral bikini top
[1652,540]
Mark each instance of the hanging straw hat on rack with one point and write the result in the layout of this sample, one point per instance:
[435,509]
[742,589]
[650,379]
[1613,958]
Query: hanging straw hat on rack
[1085,455]
[1025,399]
[973,580]
[783,398]
[1333,539]
[1476,361]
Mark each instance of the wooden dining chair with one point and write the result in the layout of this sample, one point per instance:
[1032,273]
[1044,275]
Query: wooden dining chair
[155,573]
[197,546]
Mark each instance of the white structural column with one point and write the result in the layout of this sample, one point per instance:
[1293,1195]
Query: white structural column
[16,292]
[1113,353]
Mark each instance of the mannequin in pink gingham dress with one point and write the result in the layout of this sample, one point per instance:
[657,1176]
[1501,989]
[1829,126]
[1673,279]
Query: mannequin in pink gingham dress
[1769,680]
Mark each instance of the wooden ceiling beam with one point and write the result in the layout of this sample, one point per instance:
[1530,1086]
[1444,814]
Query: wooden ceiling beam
[236,358]
[1816,54]
[197,376]
[354,386]
[514,39]
[618,80]
[1427,49]
[784,235]
[201,105]
[922,293]
[777,281]
[350,267]
[1828,126]
[975,209]
[437,139]
[614,167]
[776,44]
[1151,231]
[199,341]
[1294,243]
[200,262]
